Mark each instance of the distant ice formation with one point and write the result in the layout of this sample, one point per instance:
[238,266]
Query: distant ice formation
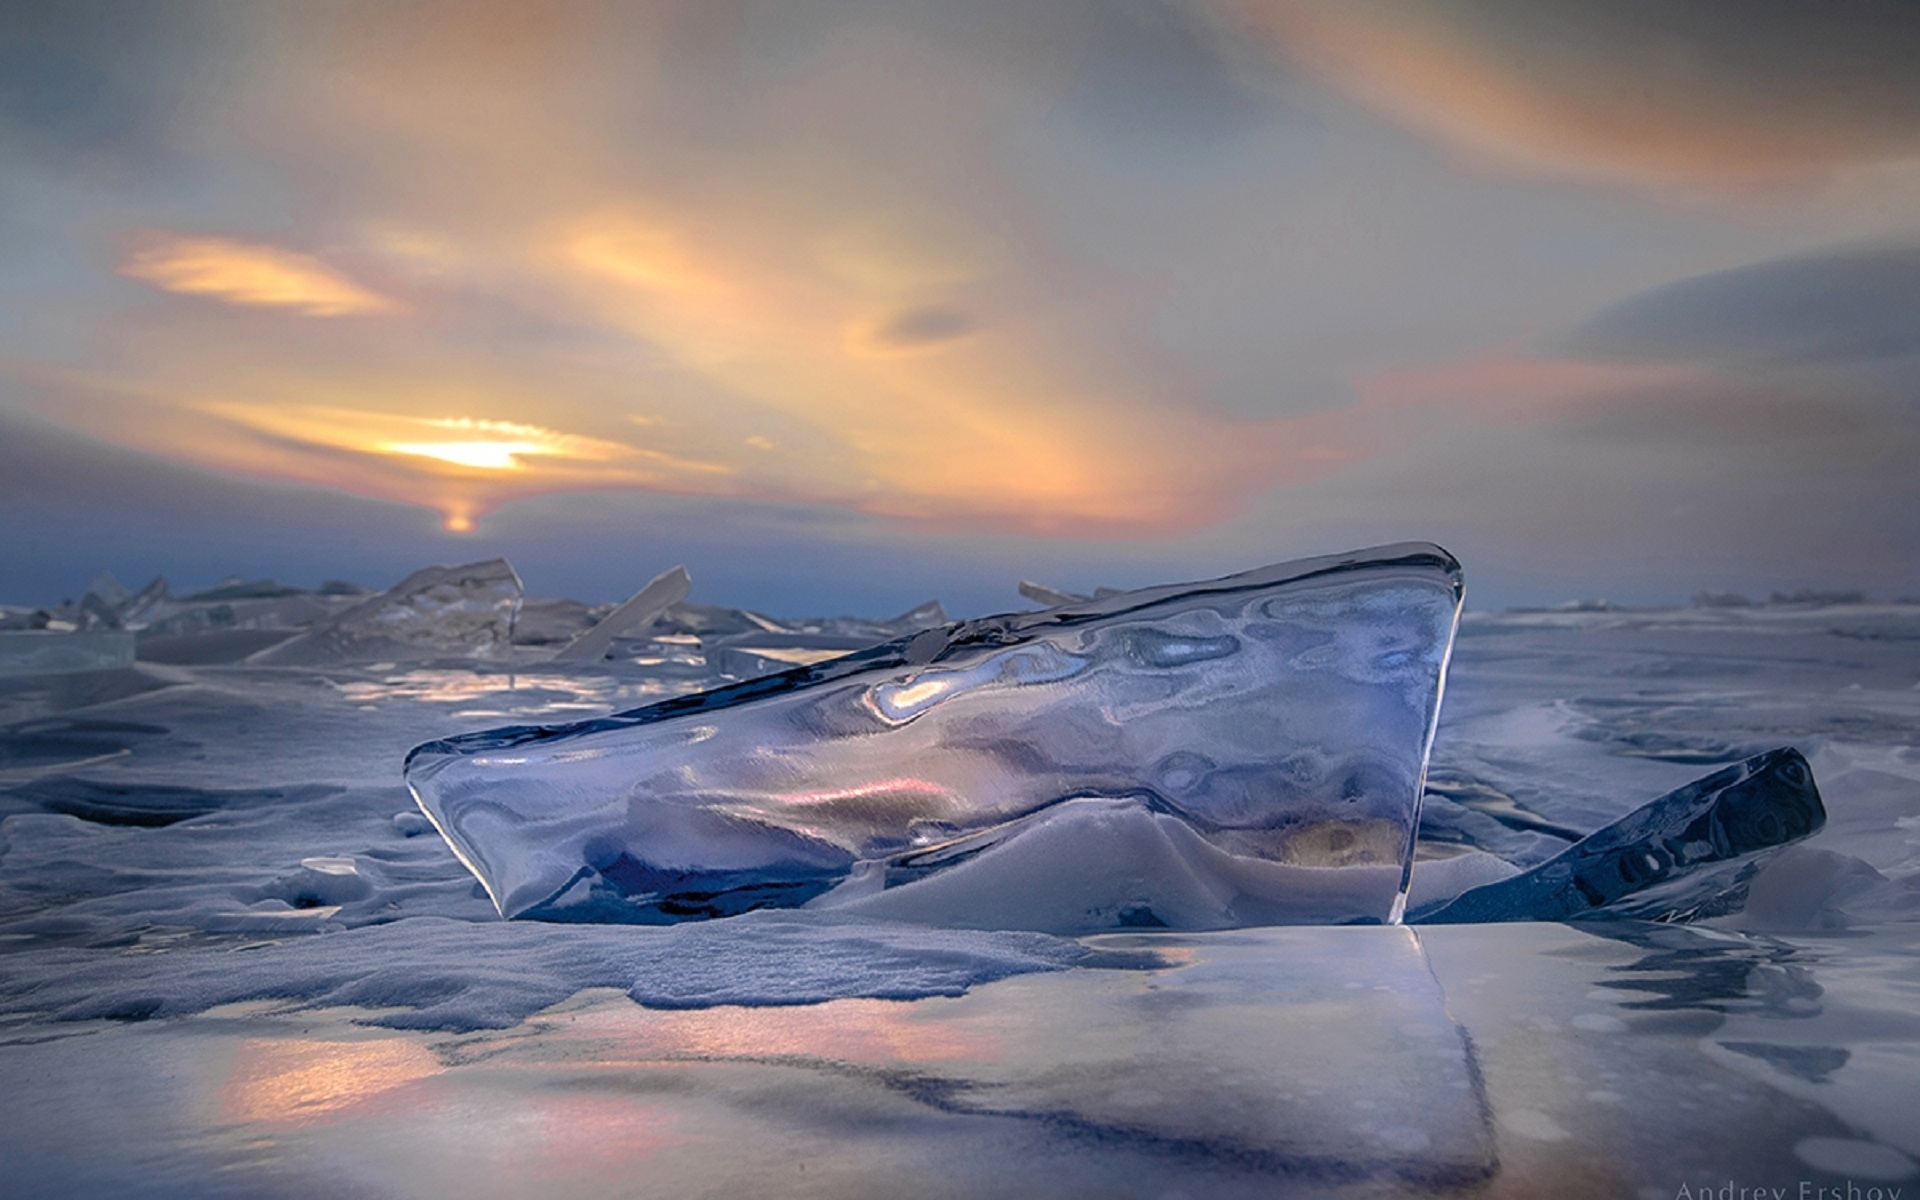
[636,615]
[49,652]
[156,817]
[1244,751]
[436,612]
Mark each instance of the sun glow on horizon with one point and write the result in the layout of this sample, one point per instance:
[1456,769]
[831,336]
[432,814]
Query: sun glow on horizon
[486,456]
[500,445]
[461,467]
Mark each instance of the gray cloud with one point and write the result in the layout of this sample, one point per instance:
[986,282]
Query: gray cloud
[1826,432]
[1856,306]
[1708,91]
[1157,77]
[926,325]
[1847,59]
[98,80]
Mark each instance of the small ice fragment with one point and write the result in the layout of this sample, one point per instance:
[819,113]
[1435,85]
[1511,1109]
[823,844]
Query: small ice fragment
[436,612]
[47,652]
[233,587]
[320,882]
[751,655]
[1688,854]
[1804,889]
[327,865]
[552,622]
[1855,1158]
[1276,718]
[926,615]
[1040,593]
[109,590]
[95,613]
[138,609]
[707,621]
[24,618]
[639,612]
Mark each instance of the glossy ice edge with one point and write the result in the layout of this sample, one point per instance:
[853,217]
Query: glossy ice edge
[941,645]
[1421,565]
[1686,855]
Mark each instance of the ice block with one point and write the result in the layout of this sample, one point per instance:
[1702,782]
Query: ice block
[1258,741]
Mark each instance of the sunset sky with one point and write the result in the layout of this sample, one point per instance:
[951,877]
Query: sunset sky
[844,305]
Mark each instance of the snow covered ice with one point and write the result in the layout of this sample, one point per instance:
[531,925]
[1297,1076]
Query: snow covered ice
[1244,751]
[235,959]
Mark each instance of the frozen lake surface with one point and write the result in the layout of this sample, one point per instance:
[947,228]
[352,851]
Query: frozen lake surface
[235,960]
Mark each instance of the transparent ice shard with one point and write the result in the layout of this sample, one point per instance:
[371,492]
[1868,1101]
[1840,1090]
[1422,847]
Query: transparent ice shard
[747,655]
[436,612]
[1280,718]
[138,609]
[553,622]
[925,615]
[636,615]
[1040,593]
[108,590]
[1688,854]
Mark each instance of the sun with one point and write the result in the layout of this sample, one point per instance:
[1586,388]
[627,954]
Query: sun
[486,456]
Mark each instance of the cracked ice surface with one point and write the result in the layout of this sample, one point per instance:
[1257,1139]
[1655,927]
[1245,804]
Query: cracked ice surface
[1244,751]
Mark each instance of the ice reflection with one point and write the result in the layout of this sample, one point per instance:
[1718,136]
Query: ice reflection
[855,1031]
[515,693]
[1838,1031]
[1274,1054]
[1723,972]
[293,1081]
[568,1131]
[1724,1050]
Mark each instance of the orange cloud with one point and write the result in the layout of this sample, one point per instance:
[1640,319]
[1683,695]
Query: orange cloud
[737,355]
[251,275]
[461,466]
[461,443]
[1017,423]
[873,321]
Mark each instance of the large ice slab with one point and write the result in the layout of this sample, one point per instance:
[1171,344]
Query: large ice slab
[1275,722]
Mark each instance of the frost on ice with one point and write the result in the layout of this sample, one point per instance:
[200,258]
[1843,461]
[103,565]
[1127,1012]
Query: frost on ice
[1243,751]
